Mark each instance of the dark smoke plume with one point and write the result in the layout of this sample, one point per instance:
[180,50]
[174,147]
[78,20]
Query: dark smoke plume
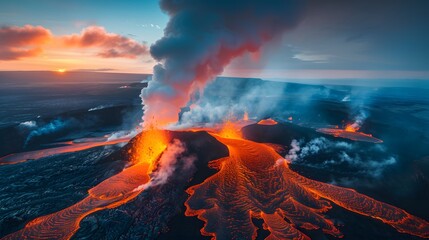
[201,39]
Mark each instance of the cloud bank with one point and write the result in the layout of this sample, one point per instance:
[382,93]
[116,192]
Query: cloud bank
[110,45]
[21,42]
[30,41]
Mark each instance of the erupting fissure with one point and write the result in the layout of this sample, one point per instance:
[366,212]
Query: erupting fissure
[351,131]
[351,128]
[112,192]
[255,182]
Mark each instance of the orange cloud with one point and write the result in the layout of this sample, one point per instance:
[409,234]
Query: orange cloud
[20,42]
[30,41]
[110,45]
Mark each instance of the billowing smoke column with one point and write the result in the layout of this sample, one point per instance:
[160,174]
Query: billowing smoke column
[201,38]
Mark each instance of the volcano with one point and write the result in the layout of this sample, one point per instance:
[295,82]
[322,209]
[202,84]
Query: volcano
[251,182]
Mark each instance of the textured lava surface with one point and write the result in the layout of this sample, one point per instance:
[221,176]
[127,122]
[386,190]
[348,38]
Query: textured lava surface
[255,182]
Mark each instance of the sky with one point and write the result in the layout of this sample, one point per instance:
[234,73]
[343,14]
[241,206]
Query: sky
[333,39]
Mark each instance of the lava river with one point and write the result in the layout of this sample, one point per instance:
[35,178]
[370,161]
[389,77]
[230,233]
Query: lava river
[256,182]
[112,192]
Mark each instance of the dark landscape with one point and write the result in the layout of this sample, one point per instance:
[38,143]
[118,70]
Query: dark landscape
[395,171]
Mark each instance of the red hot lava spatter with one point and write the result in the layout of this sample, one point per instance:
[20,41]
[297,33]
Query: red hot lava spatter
[255,182]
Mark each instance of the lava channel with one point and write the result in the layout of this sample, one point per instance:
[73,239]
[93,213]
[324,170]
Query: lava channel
[255,182]
[71,146]
[112,192]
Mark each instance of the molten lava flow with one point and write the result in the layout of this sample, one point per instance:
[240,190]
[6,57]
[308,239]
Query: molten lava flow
[149,146]
[70,147]
[229,130]
[268,121]
[351,128]
[111,193]
[255,182]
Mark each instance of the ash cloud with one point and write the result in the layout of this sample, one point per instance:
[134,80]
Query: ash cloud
[358,101]
[201,38]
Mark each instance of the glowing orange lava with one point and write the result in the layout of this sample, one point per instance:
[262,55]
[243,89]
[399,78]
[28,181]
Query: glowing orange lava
[70,147]
[268,121]
[111,193]
[148,146]
[351,128]
[246,116]
[229,130]
[255,182]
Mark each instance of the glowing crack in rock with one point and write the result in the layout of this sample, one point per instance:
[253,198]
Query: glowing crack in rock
[255,182]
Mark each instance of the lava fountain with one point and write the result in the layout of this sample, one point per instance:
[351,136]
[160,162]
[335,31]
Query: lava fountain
[256,182]
[112,192]
[246,116]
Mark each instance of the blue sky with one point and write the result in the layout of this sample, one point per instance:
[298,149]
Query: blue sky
[132,18]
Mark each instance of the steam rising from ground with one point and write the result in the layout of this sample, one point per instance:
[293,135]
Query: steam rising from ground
[28,124]
[333,156]
[357,101]
[359,119]
[200,40]
[172,159]
[226,97]
[51,127]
